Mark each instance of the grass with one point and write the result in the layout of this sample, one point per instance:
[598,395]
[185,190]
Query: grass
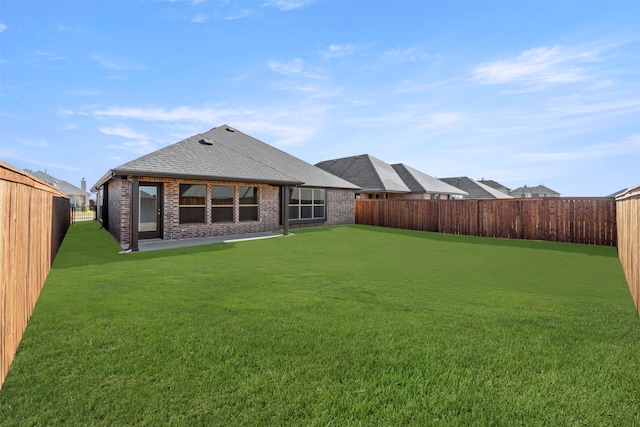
[349,325]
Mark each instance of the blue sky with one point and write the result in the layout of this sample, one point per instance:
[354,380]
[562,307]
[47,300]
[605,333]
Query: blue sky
[521,92]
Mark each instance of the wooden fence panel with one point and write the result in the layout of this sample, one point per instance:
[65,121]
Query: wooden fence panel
[575,220]
[628,221]
[34,218]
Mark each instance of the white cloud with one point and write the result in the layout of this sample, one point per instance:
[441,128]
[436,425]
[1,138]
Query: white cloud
[159,114]
[286,5]
[243,13]
[411,54]
[539,66]
[40,143]
[310,90]
[630,145]
[84,92]
[200,18]
[119,65]
[442,119]
[122,131]
[48,56]
[336,51]
[291,68]
[581,105]
[2,27]
[295,67]
[134,141]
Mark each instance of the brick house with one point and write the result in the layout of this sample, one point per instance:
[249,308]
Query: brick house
[380,180]
[535,191]
[475,189]
[218,183]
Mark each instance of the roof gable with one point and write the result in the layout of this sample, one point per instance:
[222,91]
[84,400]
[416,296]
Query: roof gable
[420,182]
[476,190]
[224,153]
[537,189]
[64,186]
[368,172]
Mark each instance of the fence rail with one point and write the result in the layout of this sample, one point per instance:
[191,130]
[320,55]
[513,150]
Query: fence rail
[558,219]
[628,213]
[34,219]
[78,215]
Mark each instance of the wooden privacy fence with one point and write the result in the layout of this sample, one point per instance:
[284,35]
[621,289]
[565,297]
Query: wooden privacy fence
[628,213]
[558,219]
[34,218]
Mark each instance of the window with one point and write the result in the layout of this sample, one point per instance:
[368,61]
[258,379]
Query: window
[306,203]
[222,203]
[192,203]
[248,200]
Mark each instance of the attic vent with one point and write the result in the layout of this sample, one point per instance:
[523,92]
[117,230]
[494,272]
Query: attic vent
[230,130]
[205,142]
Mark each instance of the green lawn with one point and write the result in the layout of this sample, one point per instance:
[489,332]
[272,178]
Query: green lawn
[339,326]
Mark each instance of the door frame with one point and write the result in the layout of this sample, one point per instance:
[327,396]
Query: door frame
[158,233]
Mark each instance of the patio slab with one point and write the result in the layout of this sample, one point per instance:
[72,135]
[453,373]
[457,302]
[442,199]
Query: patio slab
[159,244]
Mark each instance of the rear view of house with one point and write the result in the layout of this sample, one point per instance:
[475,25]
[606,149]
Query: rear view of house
[220,182]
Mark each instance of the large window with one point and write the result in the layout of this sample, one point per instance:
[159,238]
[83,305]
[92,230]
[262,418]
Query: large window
[222,203]
[192,203]
[248,200]
[307,203]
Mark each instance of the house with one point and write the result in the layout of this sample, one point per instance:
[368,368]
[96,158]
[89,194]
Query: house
[376,179]
[380,180]
[475,189]
[78,197]
[617,193]
[537,191]
[423,186]
[496,185]
[217,183]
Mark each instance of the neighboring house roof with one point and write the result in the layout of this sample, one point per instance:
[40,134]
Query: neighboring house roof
[226,154]
[420,182]
[64,186]
[496,185]
[476,190]
[369,173]
[538,189]
[617,193]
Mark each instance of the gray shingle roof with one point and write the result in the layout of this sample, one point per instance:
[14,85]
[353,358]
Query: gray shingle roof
[366,171]
[476,190]
[495,184]
[420,182]
[224,153]
[64,186]
[537,189]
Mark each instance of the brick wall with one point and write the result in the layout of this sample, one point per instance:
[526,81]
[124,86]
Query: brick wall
[340,207]
[119,210]
[340,210]
[268,216]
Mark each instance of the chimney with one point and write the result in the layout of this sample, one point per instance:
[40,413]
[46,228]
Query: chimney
[83,185]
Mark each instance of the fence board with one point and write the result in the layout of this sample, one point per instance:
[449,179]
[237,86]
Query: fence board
[576,220]
[628,225]
[34,218]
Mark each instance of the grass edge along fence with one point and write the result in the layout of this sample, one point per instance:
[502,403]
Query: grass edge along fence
[628,219]
[557,219]
[34,218]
